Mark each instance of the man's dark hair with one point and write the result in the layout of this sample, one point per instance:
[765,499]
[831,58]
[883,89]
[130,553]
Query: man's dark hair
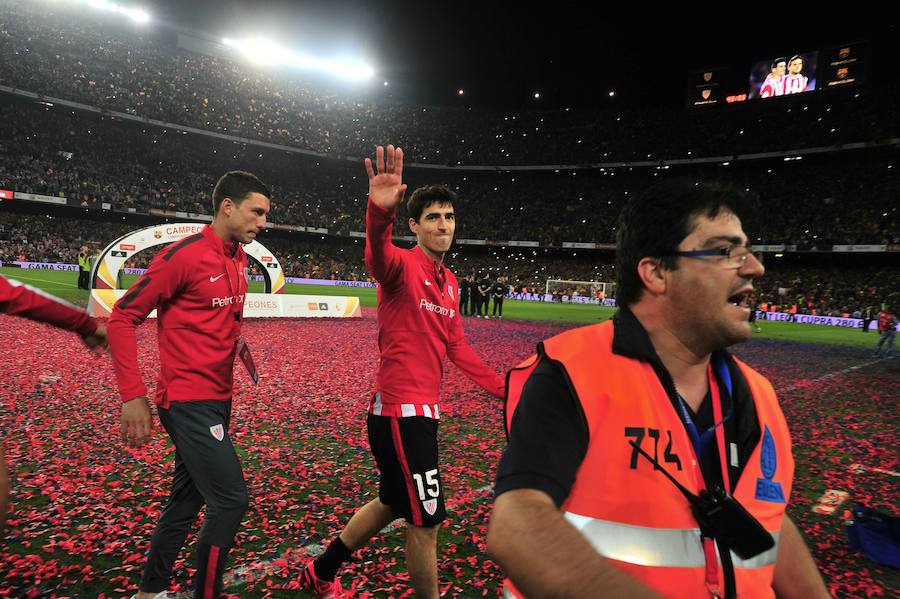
[796,57]
[237,185]
[777,60]
[425,196]
[656,221]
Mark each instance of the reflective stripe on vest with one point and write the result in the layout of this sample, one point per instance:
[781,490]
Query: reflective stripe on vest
[659,547]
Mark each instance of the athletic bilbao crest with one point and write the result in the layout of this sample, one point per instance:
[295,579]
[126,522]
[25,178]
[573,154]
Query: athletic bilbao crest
[766,488]
[430,506]
[218,431]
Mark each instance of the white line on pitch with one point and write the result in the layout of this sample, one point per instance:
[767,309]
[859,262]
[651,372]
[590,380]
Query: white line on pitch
[830,375]
[27,280]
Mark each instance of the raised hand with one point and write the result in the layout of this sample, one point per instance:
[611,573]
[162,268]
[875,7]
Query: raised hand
[386,188]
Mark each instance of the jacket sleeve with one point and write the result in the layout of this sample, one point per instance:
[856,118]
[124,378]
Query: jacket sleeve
[383,258]
[17,299]
[155,287]
[468,361]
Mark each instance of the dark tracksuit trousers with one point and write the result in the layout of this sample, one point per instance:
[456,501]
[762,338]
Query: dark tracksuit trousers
[498,305]
[207,472]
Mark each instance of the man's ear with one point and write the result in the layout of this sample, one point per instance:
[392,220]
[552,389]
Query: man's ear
[413,225]
[226,207]
[653,275]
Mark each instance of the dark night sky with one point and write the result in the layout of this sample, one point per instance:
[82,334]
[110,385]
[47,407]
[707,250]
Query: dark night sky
[501,53]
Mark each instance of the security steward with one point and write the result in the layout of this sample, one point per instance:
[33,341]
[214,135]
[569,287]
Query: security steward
[644,460]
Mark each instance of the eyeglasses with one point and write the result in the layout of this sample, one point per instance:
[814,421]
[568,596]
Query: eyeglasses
[735,255]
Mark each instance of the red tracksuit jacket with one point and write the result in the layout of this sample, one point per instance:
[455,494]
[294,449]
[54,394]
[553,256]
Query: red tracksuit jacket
[197,285]
[17,299]
[418,324]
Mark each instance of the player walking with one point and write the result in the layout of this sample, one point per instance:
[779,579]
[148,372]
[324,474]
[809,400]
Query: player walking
[418,325]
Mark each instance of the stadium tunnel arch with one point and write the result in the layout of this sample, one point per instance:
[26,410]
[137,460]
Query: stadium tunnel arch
[113,258]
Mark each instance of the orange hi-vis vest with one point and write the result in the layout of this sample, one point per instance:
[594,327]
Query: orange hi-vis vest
[633,515]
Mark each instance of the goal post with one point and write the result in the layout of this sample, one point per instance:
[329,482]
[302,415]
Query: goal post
[594,289]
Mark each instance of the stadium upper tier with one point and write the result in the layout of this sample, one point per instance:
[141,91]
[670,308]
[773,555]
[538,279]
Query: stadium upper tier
[116,65]
[90,159]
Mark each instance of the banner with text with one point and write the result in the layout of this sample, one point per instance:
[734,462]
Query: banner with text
[260,305]
[831,321]
[47,266]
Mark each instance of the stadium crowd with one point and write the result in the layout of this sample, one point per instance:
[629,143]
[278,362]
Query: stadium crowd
[91,160]
[41,238]
[825,289]
[111,64]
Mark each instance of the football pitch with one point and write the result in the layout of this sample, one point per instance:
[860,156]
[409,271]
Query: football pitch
[64,285]
[85,504]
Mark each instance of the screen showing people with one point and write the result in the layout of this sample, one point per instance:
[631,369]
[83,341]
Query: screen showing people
[784,75]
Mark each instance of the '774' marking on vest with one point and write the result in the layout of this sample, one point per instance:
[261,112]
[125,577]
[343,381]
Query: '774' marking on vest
[638,433]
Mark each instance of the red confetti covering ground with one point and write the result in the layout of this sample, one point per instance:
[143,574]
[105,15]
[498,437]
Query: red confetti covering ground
[85,505]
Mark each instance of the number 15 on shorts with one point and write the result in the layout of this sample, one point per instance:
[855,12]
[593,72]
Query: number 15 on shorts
[431,482]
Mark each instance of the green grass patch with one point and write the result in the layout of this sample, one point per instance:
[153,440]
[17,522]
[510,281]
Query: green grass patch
[64,284]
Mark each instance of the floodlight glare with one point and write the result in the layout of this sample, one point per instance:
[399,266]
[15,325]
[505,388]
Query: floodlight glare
[267,52]
[350,69]
[102,5]
[262,51]
[138,15]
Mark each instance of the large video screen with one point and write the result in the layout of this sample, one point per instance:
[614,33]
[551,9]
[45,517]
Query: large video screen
[784,75]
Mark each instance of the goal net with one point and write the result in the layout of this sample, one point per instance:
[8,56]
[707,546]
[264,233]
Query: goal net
[598,290]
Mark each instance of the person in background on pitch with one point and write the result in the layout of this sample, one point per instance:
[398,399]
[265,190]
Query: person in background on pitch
[17,299]
[418,325]
[84,267]
[197,285]
[580,512]
[867,318]
[887,329]
[484,292]
[465,291]
[754,308]
[498,292]
[477,297]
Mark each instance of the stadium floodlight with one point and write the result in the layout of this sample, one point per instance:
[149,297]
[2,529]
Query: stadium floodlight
[266,52]
[349,68]
[135,14]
